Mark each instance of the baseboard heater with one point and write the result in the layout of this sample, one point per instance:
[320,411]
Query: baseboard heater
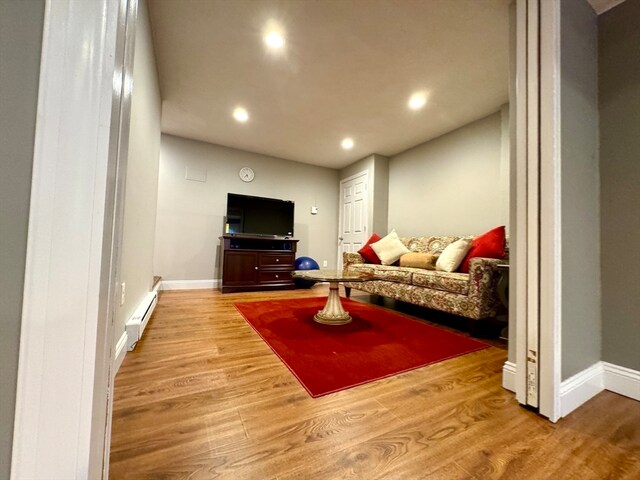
[138,321]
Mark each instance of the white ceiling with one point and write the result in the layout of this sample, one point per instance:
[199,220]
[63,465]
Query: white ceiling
[347,69]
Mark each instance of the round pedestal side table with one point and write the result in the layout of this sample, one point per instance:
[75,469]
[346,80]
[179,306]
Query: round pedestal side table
[333,312]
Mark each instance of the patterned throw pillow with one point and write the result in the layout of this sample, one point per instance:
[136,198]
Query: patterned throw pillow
[367,252]
[488,245]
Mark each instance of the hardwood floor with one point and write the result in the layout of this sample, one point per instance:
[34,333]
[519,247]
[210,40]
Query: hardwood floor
[203,397]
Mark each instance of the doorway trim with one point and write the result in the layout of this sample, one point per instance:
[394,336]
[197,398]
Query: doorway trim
[550,258]
[66,347]
[538,261]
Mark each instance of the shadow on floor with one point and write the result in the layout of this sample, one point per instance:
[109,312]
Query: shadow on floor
[488,330]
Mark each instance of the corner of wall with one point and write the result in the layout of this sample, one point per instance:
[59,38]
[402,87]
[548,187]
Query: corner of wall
[619,174]
[580,388]
[380,194]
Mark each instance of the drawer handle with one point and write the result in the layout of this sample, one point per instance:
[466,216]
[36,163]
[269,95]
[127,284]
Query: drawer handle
[277,259]
[255,268]
[277,276]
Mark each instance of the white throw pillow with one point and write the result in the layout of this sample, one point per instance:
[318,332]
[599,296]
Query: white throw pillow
[452,256]
[389,248]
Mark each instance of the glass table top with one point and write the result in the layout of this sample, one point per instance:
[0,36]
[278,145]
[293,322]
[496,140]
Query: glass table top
[334,275]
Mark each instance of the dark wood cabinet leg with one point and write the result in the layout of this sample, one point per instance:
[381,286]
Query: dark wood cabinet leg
[347,291]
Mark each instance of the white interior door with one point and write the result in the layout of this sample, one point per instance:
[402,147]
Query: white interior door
[354,214]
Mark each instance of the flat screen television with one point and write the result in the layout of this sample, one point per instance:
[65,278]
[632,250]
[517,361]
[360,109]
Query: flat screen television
[259,216]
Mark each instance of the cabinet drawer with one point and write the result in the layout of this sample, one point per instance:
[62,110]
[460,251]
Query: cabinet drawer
[276,259]
[271,277]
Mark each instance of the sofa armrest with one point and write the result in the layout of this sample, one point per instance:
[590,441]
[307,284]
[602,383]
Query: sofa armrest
[349,259]
[483,281]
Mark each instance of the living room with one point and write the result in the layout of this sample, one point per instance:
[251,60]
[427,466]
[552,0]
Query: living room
[465,169]
[177,237]
[181,242]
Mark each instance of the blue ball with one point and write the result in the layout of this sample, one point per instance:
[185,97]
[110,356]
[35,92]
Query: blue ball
[306,263]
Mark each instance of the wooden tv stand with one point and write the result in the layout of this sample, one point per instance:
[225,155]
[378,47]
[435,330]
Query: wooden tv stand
[252,263]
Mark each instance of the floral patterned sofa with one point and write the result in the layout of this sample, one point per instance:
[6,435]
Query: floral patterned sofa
[472,295]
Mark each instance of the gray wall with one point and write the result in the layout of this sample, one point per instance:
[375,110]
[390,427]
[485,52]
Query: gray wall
[381,193]
[452,185]
[580,214]
[191,213]
[20,48]
[136,263]
[377,167]
[619,102]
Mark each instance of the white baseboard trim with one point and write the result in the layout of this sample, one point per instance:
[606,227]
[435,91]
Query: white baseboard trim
[189,284]
[622,380]
[509,376]
[580,388]
[585,385]
[121,351]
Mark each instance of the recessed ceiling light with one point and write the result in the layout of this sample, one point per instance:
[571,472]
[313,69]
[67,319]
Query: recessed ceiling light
[347,144]
[417,101]
[241,115]
[274,40]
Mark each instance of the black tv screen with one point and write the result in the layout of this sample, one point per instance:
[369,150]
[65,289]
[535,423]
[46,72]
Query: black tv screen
[259,216]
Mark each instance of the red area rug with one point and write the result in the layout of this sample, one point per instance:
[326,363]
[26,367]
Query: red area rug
[378,343]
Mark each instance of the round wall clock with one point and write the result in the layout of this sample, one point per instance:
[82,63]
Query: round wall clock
[246,174]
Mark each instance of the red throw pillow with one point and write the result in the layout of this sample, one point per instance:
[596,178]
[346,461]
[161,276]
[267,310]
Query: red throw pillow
[367,252]
[487,245]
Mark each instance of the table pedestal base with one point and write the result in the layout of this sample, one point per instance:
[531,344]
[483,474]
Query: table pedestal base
[333,313]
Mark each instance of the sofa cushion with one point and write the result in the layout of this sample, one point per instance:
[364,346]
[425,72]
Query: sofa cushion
[387,272]
[389,249]
[445,281]
[362,267]
[393,274]
[488,245]
[367,252]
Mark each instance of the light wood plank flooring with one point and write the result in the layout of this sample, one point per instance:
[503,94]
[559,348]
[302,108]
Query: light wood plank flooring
[203,397]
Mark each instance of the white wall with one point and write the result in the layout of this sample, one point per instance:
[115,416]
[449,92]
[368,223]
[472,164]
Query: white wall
[456,184]
[142,176]
[20,48]
[191,213]
[580,205]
